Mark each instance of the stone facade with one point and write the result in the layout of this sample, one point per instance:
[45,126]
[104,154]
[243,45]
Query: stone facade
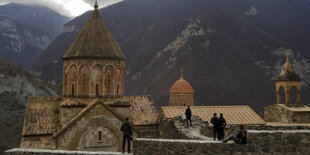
[181,99]
[181,93]
[96,130]
[259,142]
[93,77]
[85,123]
[282,113]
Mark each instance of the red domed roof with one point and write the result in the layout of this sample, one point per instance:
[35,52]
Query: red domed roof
[181,86]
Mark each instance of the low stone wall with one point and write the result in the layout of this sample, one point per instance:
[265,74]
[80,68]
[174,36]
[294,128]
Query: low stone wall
[18,151]
[259,142]
[148,131]
[207,130]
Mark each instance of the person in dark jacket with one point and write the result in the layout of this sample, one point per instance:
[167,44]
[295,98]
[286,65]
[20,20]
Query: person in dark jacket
[126,128]
[239,138]
[214,121]
[188,114]
[221,127]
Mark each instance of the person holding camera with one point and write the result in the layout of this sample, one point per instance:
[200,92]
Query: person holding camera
[126,128]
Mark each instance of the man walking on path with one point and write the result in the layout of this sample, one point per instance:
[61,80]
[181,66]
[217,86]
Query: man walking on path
[188,114]
[126,128]
[214,121]
[221,127]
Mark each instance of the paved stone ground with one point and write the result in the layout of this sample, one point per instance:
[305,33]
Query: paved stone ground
[18,151]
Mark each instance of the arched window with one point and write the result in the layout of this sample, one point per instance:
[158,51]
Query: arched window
[293,95]
[72,89]
[99,136]
[282,95]
[97,89]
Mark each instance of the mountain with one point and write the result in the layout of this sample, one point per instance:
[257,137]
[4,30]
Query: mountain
[25,31]
[230,51]
[16,85]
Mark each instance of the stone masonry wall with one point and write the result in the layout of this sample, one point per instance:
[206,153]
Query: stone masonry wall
[207,130]
[277,114]
[259,142]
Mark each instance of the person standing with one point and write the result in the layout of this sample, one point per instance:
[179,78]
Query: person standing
[126,128]
[221,127]
[188,114]
[214,121]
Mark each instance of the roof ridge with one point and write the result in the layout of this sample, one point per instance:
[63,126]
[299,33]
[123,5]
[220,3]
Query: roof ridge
[85,111]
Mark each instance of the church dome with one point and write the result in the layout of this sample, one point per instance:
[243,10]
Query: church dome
[288,73]
[181,86]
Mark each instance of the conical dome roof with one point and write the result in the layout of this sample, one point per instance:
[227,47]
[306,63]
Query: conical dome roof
[181,86]
[94,41]
[288,73]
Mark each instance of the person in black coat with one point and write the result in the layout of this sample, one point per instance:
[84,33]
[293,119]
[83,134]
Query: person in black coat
[239,138]
[214,121]
[188,114]
[127,128]
[221,127]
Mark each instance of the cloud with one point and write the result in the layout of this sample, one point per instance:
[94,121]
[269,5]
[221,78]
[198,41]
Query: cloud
[70,8]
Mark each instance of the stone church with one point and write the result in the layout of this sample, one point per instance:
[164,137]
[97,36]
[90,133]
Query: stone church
[92,107]
[288,108]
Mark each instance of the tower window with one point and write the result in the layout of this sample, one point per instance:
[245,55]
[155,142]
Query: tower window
[109,82]
[99,136]
[72,89]
[97,89]
[117,89]
[84,82]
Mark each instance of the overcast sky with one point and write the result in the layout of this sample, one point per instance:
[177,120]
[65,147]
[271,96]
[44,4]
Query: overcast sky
[70,8]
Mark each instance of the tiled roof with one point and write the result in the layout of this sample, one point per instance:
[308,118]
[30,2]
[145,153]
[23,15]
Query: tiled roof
[94,41]
[288,73]
[41,116]
[70,102]
[181,86]
[232,114]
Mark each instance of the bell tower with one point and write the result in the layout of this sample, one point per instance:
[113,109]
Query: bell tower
[94,63]
[288,80]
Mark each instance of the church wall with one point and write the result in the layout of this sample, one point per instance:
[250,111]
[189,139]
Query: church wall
[98,117]
[277,114]
[67,113]
[124,111]
[39,142]
[86,73]
[301,117]
[181,99]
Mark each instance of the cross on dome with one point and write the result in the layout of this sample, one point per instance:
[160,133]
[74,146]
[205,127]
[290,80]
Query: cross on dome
[181,72]
[287,56]
[96,5]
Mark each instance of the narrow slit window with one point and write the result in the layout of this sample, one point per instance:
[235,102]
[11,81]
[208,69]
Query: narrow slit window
[97,89]
[109,83]
[72,89]
[117,89]
[99,136]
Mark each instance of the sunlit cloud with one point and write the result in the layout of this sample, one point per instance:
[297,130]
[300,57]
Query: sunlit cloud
[70,8]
